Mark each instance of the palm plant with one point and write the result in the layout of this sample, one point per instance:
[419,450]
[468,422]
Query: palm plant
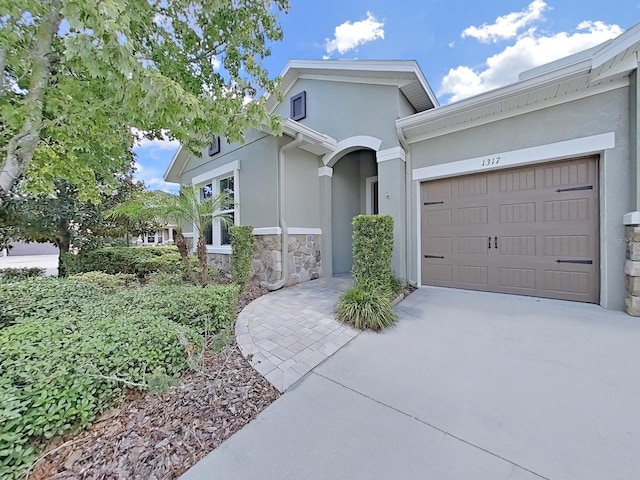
[185,208]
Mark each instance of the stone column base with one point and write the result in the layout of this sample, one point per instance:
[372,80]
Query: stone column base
[632,265]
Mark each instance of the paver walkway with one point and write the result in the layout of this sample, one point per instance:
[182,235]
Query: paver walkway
[287,333]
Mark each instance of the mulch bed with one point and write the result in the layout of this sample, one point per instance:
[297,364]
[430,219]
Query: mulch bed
[161,436]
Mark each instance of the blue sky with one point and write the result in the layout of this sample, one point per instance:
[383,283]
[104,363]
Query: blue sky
[463,47]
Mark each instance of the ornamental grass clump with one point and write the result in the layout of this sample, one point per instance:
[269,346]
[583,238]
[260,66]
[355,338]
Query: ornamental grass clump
[365,306]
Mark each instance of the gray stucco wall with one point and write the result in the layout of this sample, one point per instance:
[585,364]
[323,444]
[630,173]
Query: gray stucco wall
[342,110]
[302,188]
[258,158]
[606,112]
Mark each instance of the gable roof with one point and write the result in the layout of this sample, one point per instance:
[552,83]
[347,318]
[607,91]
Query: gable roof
[604,67]
[406,74]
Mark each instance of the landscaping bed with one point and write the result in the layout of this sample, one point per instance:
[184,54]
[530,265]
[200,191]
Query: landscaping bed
[163,435]
[120,375]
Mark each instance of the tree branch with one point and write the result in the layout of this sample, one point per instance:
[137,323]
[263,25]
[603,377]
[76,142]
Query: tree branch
[21,147]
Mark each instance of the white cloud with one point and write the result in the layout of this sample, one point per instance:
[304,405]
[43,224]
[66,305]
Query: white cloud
[530,50]
[507,26]
[350,35]
[216,63]
[163,143]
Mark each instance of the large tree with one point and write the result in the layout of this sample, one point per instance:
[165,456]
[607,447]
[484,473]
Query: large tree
[71,70]
[65,219]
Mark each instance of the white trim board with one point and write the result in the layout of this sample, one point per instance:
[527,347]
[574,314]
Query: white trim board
[216,172]
[290,230]
[391,154]
[514,158]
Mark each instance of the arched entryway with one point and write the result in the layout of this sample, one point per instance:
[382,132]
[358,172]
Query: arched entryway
[353,193]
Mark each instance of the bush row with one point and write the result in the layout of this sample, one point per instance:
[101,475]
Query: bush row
[10,275]
[139,261]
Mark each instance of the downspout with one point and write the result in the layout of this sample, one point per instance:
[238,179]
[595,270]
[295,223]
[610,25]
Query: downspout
[283,224]
[407,207]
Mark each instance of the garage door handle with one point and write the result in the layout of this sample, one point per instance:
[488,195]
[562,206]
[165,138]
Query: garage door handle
[495,242]
[580,262]
[489,243]
[433,256]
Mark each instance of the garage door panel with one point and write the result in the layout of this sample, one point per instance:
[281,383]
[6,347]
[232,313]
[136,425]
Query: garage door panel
[517,245]
[472,186]
[531,231]
[518,181]
[567,210]
[473,245]
[519,278]
[518,213]
[473,274]
[567,246]
[473,216]
[438,218]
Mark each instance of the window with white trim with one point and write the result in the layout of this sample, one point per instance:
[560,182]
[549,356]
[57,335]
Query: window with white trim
[216,233]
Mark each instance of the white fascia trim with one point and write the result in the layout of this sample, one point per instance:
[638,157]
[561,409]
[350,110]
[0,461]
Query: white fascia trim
[465,125]
[525,156]
[391,154]
[290,230]
[617,46]
[216,172]
[188,234]
[309,135]
[325,172]
[172,163]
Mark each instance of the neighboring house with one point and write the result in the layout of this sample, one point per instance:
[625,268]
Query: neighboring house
[165,235]
[519,190]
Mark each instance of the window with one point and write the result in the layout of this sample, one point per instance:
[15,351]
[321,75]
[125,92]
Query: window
[151,239]
[214,146]
[299,106]
[216,233]
[160,238]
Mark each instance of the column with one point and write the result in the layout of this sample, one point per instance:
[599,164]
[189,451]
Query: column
[324,176]
[391,201]
[632,265]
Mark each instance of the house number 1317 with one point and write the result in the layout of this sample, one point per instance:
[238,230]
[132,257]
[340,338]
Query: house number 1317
[488,162]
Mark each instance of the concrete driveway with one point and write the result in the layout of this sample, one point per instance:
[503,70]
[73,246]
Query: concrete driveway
[48,262]
[467,386]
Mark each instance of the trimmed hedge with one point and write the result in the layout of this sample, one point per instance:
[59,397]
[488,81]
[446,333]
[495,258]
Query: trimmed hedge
[53,374]
[10,275]
[242,254]
[372,249]
[139,261]
[107,282]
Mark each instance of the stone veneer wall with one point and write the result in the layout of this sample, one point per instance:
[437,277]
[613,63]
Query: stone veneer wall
[304,263]
[632,270]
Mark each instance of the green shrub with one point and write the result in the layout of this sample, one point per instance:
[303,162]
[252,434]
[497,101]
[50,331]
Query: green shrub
[57,376]
[10,275]
[242,254]
[372,249]
[109,283]
[45,298]
[366,306]
[139,261]
[185,304]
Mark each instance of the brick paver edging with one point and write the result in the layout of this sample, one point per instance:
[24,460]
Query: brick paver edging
[287,333]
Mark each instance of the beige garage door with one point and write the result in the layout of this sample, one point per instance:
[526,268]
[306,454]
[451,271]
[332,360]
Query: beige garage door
[528,231]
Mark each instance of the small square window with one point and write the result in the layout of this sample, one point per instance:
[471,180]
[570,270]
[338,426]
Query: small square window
[214,147]
[151,239]
[299,106]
